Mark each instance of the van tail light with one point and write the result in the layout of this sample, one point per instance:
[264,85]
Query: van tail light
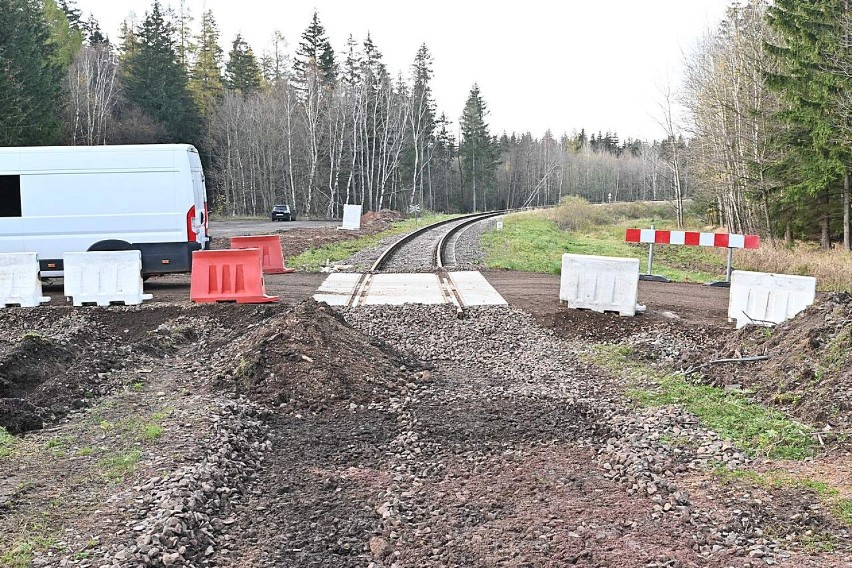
[190,233]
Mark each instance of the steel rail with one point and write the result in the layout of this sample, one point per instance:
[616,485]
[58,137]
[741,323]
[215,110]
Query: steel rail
[394,248]
[440,250]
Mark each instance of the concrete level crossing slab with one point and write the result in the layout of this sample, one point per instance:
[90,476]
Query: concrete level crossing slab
[338,288]
[474,289]
[398,289]
[469,288]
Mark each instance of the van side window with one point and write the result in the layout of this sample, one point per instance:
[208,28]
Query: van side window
[10,196]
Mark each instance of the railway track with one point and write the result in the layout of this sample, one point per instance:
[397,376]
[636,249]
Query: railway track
[429,248]
[414,269]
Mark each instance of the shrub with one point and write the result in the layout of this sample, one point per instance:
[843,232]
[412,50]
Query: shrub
[576,214]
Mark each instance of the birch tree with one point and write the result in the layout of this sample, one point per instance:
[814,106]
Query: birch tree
[93,93]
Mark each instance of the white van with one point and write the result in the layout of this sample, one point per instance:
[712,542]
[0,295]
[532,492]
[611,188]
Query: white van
[58,199]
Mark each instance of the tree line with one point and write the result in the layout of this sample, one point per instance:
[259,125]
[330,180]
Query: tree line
[765,149]
[318,128]
[768,94]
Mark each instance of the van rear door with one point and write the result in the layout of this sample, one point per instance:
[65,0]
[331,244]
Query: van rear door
[199,195]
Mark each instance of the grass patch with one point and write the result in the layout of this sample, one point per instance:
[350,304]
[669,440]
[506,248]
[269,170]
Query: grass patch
[752,427]
[58,443]
[136,428]
[755,428]
[7,443]
[535,242]
[85,451]
[843,509]
[116,466]
[313,259]
[775,479]
[151,431]
[21,553]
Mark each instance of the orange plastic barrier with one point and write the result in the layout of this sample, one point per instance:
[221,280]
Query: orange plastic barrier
[228,276]
[270,246]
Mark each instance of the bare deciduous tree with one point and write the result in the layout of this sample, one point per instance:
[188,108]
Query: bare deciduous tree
[93,95]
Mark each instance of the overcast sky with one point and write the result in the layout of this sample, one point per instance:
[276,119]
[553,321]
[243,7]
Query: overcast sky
[562,65]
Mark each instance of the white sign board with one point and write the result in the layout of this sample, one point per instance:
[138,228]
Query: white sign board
[351,217]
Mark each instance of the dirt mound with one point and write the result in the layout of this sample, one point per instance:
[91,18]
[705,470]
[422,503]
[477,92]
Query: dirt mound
[309,357]
[32,361]
[383,218]
[72,362]
[18,416]
[809,370]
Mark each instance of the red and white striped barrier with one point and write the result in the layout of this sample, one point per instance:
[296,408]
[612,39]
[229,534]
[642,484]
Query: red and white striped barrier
[692,238]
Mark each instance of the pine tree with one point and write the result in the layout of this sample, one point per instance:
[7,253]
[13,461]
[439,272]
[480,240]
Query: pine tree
[477,150]
[205,80]
[813,160]
[351,75]
[183,28]
[155,80]
[242,72]
[66,33]
[315,55]
[93,33]
[129,45]
[422,119]
[72,12]
[29,76]
[445,151]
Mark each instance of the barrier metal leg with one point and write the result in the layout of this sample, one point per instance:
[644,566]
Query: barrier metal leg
[727,282]
[650,275]
[650,258]
[730,263]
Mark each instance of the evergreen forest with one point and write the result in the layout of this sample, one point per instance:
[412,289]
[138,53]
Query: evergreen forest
[762,142]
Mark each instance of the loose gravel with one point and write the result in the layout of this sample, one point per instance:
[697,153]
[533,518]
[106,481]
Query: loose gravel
[506,388]
[467,249]
[418,254]
[184,518]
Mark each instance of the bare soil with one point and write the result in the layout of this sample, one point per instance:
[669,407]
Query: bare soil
[102,400]
[808,372]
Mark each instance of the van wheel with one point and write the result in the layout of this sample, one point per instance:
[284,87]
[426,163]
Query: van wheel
[110,244]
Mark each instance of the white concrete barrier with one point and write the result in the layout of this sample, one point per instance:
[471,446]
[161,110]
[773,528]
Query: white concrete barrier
[600,283]
[19,280]
[104,277]
[768,299]
[351,217]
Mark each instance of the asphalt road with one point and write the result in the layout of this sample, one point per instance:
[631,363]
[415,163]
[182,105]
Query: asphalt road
[225,229]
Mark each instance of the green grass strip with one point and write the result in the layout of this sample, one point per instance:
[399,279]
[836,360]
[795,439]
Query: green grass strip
[532,243]
[840,507]
[313,259]
[752,427]
[7,443]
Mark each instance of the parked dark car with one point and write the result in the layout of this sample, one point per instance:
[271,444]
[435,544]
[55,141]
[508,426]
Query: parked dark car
[282,213]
